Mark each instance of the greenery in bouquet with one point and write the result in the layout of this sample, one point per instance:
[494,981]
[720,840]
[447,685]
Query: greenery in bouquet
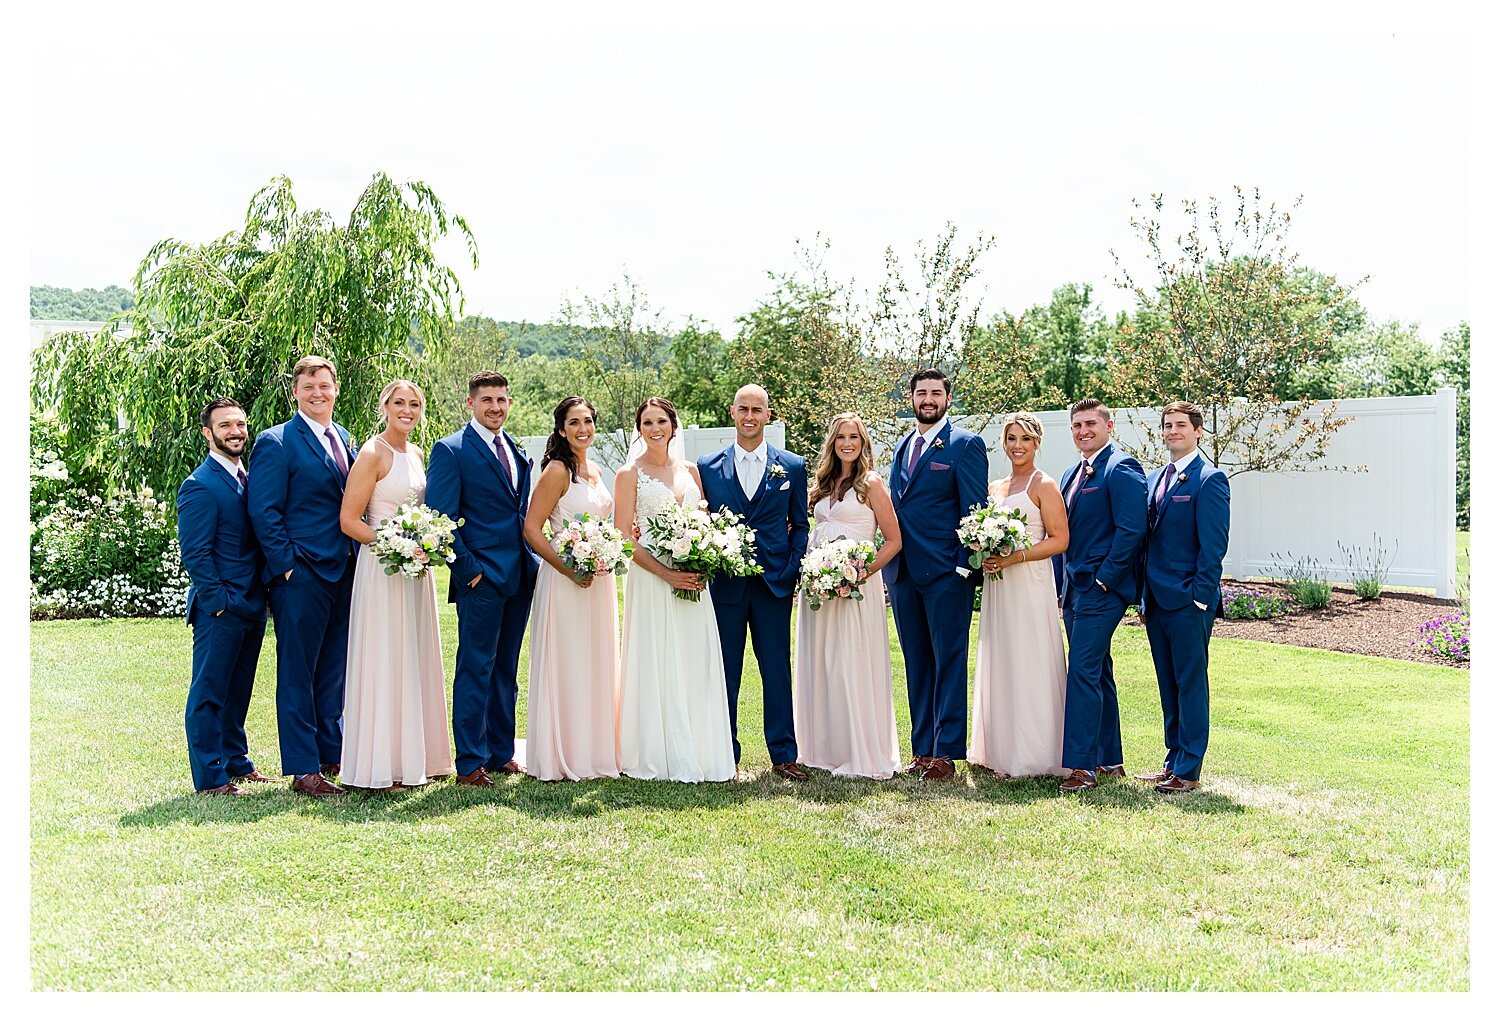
[835,571]
[414,539]
[989,530]
[697,540]
[590,546]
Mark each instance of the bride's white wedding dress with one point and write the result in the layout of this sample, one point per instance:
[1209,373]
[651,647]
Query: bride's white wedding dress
[674,712]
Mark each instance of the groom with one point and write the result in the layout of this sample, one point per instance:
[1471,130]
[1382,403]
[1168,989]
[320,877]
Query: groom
[767,487]
[481,476]
[940,471]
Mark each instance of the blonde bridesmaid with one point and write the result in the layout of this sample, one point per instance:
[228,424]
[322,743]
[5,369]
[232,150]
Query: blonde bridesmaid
[1021,677]
[395,710]
[571,730]
[842,702]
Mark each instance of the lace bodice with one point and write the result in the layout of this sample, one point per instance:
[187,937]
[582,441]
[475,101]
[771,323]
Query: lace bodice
[1022,500]
[848,518]
[651,495]
[582,497]
[406,475]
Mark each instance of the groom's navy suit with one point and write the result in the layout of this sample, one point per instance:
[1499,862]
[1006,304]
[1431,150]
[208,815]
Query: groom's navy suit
[226,608]
[931,600]
[465,479]
[1106,525]
[1186,540]
[296,492]
[761,604]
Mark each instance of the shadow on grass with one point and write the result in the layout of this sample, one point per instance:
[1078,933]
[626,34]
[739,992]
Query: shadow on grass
[583,799]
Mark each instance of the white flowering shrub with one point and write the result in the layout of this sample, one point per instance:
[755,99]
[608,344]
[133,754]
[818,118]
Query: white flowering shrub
[92,557]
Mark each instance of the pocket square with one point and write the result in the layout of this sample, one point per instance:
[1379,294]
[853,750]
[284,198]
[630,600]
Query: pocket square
[938,466]
[784,484]
[1088,489]
[1181,498]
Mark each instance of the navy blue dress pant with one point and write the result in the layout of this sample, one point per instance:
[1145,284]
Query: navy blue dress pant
[932,621]
[768,618]
[312,645]
[226,649]
[1091,713]
[1179,648]
[490,628]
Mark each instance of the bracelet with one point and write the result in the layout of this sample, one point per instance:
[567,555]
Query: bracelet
[1023,556]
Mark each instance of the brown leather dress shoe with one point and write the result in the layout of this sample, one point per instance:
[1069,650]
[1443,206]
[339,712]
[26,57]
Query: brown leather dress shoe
[917,765]
[1118,770]
[316,785]
[939,768]
[332,769]
[477,779]
[1078,780]
[510,766]
[224,789]
[1175,785]
[791,771]
[1156,778]
[255,777]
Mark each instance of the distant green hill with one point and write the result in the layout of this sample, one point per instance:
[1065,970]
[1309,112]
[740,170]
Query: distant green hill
[63,303]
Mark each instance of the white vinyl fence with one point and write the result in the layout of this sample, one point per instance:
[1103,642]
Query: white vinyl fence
[1405,497]
[695,442]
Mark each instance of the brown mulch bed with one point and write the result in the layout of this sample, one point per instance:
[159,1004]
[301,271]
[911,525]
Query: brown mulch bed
[1381,627]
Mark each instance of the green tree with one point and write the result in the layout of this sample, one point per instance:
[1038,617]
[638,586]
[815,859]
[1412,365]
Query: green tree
[88,304]
[698,377]
[1072,338]
[1454,373]
[231,316]
[1228,321]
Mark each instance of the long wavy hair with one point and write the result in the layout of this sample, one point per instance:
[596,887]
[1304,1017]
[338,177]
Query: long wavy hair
[826,480]
[558,448]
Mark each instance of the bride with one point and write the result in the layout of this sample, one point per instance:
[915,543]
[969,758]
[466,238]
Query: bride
[674,713]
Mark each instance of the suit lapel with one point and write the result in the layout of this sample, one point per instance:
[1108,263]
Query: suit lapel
[765,476]
[927,449]
[316,443]
[221,473]
[486,453]
[1178,483]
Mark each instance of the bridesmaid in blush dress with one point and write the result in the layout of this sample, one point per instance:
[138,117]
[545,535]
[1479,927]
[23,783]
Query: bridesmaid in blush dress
[842,700]
[1020,678]
[395,711]
[574,680]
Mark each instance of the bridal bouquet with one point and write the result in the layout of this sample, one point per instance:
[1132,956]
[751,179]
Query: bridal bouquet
[692,539]
[835,570]
[991,530]
[413,540]
[590,547]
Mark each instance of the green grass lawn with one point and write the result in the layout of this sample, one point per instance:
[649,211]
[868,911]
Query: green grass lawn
[1328,849]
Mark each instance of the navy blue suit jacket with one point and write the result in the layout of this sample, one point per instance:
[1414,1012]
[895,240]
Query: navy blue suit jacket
[219,550]
[777,511]
[296,493]
[465,480]
[1106,525]
[1187,537]
[950,478]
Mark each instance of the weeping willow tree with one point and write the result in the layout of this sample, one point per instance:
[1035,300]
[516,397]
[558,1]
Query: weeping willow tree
[230,317]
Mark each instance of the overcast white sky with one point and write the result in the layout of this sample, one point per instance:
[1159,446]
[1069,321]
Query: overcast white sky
[696,159]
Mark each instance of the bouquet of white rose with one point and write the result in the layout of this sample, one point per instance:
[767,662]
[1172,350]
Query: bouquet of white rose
[589,546]
[692,539]
[416,538]
[991,530]
[835,571]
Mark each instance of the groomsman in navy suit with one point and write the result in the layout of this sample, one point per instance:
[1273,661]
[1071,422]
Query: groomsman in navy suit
[767,487]
[1187,536]
[1105,494]
[940,472]
[226,604]
[296,492]
[481,475]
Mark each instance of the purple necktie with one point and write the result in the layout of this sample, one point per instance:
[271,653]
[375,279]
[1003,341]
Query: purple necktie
[1083,470]
[916,456]
[339,458]
[1166,482]
[504,457]
[244,482]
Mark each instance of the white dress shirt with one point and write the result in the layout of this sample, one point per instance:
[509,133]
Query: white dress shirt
[750,468]
[489,438]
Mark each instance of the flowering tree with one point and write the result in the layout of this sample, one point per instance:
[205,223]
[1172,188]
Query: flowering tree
[1227,321]
[231,316]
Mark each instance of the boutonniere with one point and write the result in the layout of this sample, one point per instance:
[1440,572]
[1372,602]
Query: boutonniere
[1088,470]
[1182,478]
[776,470]
[937,445]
